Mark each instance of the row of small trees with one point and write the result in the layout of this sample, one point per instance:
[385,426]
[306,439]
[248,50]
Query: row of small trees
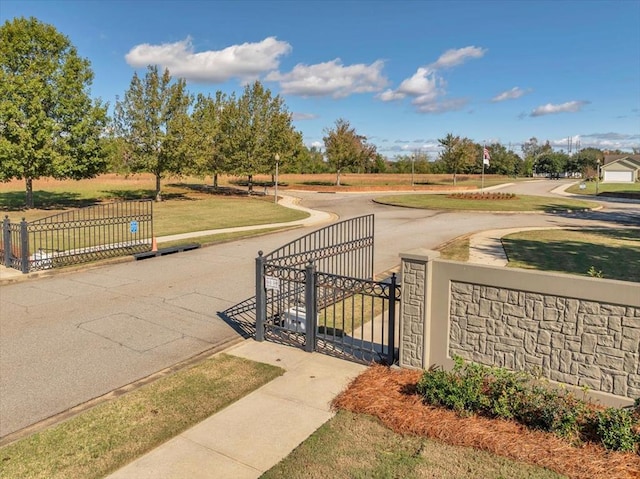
[158,127]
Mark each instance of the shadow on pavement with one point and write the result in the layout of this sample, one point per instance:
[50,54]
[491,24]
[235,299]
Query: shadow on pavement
[241,317]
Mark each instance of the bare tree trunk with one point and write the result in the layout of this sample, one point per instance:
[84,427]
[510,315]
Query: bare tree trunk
[158,192]
[215,180]
[29,192]
[250,183]
[338,178]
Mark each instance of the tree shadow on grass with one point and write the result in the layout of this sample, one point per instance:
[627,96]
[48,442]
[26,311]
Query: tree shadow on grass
[212,190]
[141,194]
[623,218]
[45,200]
[615,262]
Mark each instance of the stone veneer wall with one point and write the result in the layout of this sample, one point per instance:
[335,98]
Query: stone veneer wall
[573,341]
[579,331]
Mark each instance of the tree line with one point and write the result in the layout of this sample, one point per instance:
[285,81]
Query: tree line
[51,127]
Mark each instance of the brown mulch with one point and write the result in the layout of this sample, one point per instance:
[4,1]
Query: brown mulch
[390,395]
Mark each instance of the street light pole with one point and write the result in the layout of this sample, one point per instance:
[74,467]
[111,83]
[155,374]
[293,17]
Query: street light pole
[597,175]
[413,169]
[275,198]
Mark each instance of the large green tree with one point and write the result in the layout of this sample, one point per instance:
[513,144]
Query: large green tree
[255,128]
[458,154]
[208,153]
[153,119]
[346,149]
[49,125]
[503,161]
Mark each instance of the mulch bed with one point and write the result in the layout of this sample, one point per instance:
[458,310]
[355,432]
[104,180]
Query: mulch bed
[390,395]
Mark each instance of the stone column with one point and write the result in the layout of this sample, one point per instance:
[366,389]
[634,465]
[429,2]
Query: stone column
[415,310]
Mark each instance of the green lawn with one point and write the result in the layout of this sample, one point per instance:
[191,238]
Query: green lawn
[613,252]
[604,188]
[353,446]
[186,207]
[521,203]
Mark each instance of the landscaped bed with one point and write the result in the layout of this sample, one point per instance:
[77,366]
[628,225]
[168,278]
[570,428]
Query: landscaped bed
[391,395]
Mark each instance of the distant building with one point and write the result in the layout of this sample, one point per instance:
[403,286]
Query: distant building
[620,169]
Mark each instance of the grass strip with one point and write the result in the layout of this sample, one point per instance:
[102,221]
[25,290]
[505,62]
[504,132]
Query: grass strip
[209,240]
[521,203]
[456,250]
[105,438]
[358,446]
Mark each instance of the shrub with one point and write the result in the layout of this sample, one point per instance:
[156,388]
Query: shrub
[615,428]
[500,393]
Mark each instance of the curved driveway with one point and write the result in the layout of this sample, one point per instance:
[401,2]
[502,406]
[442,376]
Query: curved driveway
[72,337]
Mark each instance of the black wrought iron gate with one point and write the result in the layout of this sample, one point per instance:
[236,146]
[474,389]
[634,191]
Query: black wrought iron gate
[318,293]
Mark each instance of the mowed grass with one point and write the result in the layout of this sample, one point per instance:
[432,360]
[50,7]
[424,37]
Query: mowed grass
[521,203]
[613,252]
[631,189]
[352,446]
[376,180]
[112,434]
[186,208]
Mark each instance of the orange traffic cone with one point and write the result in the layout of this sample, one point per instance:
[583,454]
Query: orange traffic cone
[154,244]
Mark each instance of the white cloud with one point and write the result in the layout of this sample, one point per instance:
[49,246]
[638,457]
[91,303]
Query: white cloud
[303,116]
[331,79]
[451,58]
[452,104]
[246,61]
[423,84]
[512,94]
[391,95]
[550,109]
[427,85]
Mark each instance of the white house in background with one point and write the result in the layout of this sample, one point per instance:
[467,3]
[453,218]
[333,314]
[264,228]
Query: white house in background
[620,169]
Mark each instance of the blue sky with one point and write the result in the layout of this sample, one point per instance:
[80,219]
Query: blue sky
[403,73]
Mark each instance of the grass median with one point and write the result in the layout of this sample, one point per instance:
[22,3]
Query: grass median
[520,203]
[112,434]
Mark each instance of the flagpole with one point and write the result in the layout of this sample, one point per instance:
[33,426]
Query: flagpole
[483,147]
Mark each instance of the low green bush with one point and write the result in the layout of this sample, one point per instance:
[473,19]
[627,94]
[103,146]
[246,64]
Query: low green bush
[499,393]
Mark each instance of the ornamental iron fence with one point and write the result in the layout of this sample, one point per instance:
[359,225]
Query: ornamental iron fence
[79,236]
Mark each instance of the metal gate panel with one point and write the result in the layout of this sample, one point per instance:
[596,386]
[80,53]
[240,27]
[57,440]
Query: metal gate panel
[357,317]
[317,292]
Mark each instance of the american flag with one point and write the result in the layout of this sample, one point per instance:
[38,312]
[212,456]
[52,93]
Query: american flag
[485,156]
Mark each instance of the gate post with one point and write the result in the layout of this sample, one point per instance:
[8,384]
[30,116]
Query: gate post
[392,320]
[24,246]
[261,301]
[6,241]
[310,307]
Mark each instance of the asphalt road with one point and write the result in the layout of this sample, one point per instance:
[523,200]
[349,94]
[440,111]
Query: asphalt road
[72,337]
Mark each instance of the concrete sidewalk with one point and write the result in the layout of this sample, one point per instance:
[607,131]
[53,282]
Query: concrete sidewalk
[485,247]
[253,434]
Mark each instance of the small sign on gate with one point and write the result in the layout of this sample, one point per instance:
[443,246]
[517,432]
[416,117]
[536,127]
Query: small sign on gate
[272,282]
[133,227]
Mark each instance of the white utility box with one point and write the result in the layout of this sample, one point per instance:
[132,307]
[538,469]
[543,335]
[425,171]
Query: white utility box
[295,319]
